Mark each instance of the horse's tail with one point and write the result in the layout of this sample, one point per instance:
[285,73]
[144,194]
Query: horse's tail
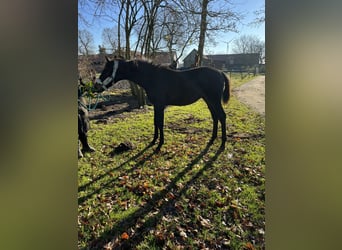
[226,90]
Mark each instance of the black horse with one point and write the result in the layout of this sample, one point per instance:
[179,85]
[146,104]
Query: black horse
[165,86]
[83,123]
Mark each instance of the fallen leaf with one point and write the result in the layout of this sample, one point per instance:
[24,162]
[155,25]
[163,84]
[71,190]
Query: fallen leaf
[205,222]
[183,234]
[226,242]
[170,196]
[124,236]
[249,246]
[159,236]
[219,203]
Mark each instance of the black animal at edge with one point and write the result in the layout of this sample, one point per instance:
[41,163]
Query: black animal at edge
[83,123]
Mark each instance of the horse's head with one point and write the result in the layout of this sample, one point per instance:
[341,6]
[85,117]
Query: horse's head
[114,71]
[107,77]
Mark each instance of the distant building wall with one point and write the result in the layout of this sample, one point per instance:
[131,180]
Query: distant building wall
[190,59]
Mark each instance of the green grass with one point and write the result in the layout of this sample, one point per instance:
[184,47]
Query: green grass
[187,195]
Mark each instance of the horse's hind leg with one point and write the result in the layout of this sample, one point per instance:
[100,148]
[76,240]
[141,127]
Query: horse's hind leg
[218,113]
[222,117]
[215,125]
[215,122]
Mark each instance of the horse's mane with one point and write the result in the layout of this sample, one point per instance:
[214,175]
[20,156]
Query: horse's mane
[143,60]
[148,62]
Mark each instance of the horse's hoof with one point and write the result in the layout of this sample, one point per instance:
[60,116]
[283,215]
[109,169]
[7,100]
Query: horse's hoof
[89,149]
[157,150]
[153,142]
[212,139]
[80,155]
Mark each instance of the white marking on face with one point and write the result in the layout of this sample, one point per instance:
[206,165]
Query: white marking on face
[108,80]
[115,68]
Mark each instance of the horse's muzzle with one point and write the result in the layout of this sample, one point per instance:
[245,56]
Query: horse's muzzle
[98,81]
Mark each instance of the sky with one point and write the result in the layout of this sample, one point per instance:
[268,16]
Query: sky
[224,40]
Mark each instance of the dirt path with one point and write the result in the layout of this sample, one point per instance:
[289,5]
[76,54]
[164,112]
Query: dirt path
[253,94]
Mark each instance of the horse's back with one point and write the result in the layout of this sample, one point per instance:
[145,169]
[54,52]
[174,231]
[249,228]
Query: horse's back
[207,78]
[182,87]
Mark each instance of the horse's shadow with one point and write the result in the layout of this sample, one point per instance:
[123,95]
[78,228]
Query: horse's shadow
[105,174]
[156,201]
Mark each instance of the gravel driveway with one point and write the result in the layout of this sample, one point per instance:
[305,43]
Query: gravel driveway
[252,93]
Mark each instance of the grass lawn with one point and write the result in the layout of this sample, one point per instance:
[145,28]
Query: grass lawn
[187,196]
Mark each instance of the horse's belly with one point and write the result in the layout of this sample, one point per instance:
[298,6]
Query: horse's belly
[182,100]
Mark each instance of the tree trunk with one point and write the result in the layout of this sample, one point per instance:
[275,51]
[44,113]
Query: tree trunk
[136,90]
[127,31]
[119,27]
[202,32]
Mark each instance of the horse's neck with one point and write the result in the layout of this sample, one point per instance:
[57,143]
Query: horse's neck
[144,75]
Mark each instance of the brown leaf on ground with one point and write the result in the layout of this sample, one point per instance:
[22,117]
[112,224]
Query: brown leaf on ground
[124,236]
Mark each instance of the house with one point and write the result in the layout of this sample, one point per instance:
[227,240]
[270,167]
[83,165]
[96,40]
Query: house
[190,60]
[225,62]
[232,62]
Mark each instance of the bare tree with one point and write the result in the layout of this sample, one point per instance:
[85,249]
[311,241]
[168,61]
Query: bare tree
[216,16]
[146,26]
[85,48]
[82,5]
[85,42]
[249,44]
[111,10]
[132,9]
[150,14]
[259,17]
[180,29]
[109,38]
[204,14]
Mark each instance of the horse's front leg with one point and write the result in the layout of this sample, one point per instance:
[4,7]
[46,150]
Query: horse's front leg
[214,134]
[155,137]
[158,125]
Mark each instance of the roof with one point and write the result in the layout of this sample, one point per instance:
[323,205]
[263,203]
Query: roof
[225,57]
[192,51]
